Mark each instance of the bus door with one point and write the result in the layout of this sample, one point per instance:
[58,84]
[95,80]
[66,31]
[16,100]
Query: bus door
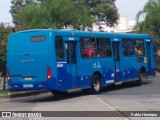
[71,56]
[116,57]
[148,47]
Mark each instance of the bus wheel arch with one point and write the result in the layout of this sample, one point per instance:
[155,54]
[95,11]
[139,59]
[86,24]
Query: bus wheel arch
[143,71]
[139,81]
[96,83]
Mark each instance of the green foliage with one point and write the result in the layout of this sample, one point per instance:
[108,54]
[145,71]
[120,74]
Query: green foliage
[4,34]
[151,23]
[4,91]
[104,10]
[63,13]
[36,19]
[78,14]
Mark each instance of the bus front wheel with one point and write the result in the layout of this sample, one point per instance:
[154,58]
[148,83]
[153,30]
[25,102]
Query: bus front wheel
[96,84]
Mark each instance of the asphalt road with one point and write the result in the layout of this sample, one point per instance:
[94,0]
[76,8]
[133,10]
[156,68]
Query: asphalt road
[128,97]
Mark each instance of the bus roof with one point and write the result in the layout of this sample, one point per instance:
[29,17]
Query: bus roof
[68,32]
[132,35]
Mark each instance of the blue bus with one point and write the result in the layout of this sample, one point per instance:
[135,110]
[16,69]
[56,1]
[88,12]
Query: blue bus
[65,60]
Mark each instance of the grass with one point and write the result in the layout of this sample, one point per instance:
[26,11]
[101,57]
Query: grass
[7,91]
[4,91]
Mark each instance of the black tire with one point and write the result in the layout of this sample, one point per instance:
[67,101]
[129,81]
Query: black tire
[96,84]
[55,92]
[139,81]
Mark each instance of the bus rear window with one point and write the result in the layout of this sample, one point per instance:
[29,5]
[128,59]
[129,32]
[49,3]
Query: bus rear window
[38,38]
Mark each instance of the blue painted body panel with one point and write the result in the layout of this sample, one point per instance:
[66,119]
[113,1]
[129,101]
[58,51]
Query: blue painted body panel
[41,55]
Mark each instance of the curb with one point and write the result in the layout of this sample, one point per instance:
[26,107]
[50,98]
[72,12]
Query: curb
[21,94]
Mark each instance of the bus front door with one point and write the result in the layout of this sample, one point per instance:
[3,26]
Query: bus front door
[72,64]
[116,58]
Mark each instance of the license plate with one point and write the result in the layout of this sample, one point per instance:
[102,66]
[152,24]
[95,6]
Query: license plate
[27,78]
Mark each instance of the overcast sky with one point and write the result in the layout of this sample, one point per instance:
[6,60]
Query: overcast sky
[127,8]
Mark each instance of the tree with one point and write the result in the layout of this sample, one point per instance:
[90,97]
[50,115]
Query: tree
[79,14]
[16,9]
[49,13]
[4,34]
[151,23]
[102,10]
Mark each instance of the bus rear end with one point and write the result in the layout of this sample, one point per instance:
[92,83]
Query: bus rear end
[27,61]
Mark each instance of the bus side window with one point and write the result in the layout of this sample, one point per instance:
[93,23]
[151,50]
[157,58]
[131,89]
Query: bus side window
[59,48]
[104,47]
[88,48]
[127,47]
[139,47]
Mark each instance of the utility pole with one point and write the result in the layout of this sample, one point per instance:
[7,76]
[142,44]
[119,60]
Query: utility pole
[4,83]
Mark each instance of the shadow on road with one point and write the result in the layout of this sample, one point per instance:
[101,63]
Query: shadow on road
[126,85]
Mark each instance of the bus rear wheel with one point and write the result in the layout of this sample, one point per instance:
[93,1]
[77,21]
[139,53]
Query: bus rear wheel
[96,84]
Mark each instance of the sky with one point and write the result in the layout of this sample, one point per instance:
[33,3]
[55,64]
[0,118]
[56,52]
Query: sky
[127,8]
[5,16]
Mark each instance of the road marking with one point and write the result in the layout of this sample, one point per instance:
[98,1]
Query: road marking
[112,108]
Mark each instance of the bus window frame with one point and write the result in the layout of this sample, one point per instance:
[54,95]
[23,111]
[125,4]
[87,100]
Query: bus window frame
[108,39]
[144,49]
[64,54]
[88,58]
[133,47]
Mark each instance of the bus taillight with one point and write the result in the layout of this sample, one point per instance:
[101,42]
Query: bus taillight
[8,76]
[49,73]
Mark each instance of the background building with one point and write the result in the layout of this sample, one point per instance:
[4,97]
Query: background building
[124,25]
